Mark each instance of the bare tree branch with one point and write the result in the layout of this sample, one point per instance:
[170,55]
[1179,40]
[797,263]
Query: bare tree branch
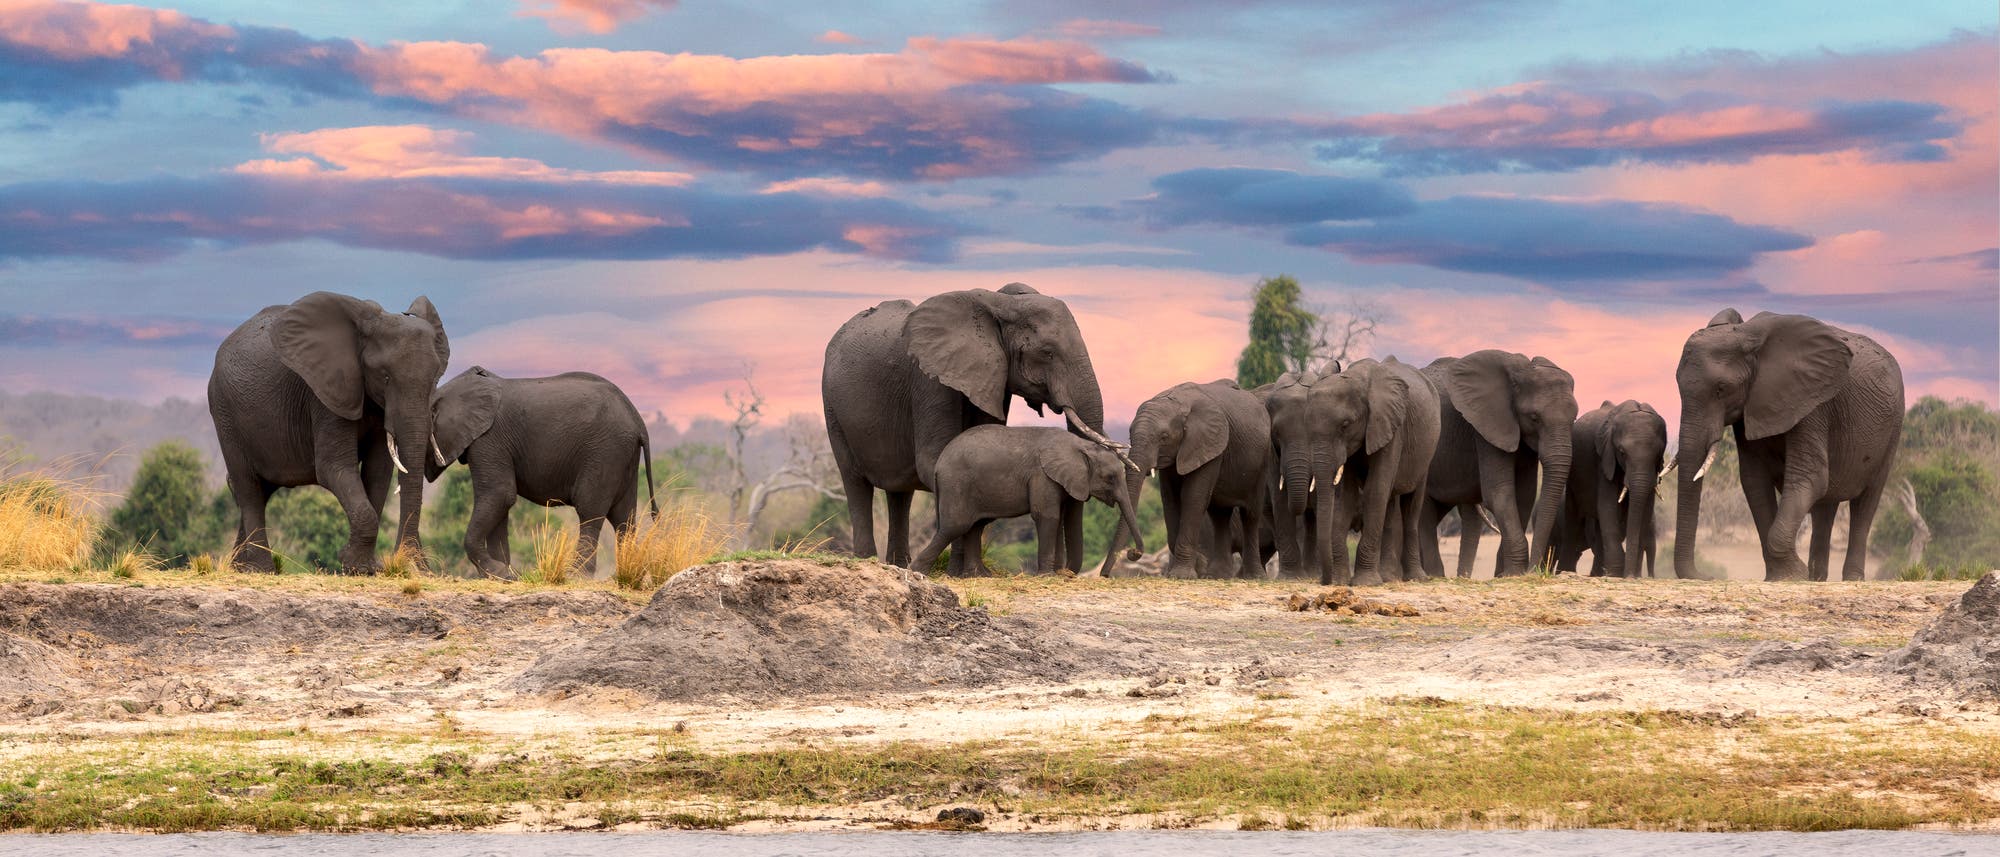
[1343,332]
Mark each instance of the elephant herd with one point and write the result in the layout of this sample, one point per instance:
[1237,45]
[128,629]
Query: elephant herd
[917,397]
[319,391]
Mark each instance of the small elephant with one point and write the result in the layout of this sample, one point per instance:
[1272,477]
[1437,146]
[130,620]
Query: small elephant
[1300,471]
[1817,412]
[572,439]
[901,380]
[316,392]
[1613,477]
[1382,431]
[1210,443]
[991,472]
[1500,416]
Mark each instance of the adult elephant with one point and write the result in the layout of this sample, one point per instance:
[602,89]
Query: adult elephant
[317,392]
[1382,424]
[1303,471]
[901,380]
[572,439]
[1614,474]
[1501,415]
[1817,412]
[1210,443]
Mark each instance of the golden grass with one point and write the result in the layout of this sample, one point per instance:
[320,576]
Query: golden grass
[404,563]
[684,534]
[554,547]
[46,522]
[132,563]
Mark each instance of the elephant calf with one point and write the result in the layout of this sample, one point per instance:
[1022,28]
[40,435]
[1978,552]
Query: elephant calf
[1608,508]
[571,439]
[992,471]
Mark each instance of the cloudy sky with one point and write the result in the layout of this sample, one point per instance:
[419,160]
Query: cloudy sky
[670,193]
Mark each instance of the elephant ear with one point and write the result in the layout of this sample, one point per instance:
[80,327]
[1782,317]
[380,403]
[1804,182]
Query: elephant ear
[317,338]
[956,341]
[1482,389]
[421,308]
[1204,437]
[1388,404]
[1727,316]
[1069,466]
[1801,363]
[464,409]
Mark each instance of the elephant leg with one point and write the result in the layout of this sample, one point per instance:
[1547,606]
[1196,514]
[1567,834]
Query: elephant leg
[1781,553]
[1500,478]
[1255,562]
[1376,496]
[948,533]
[899,527]
[1821,550]
[340,473]
[1072,537]
[1610,544]
[968,554]
[1860,519]
[860,515]
[1196,488]
[253,543]
[1412,546]
[1221,556]
[1427,534]
[1471,525]
[589,527]
[1760,493]
[500,542]
[487,526]
[1284,532]
[1049,543]
[377,474]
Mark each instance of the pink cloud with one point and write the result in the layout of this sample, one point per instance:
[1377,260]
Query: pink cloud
[597,16]
[420,151]
[828,186]
[156,39]
[836,37]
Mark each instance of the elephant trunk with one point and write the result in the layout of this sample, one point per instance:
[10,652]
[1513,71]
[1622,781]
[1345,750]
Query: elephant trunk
[1128,515]
[1555,456]
[411,445]
[1639,487]
[1330,540]
[1697,447]
[1145,451]
[1298,481]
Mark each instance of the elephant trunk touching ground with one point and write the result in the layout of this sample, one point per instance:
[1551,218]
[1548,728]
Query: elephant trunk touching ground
[1699,435]
[1555,457]
[408,422]
[1145,453]
[1640,487]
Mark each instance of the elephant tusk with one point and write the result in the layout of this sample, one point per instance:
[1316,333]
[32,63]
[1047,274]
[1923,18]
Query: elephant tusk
[1339,472]
[1313,483]
[1489,519]
[1705,464]
[395,456]
[438,453]
[1115,447]
[1621,498]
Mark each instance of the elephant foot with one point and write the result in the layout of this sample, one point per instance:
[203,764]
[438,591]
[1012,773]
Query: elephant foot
[255,558]
[1784,568]
[358,560]
[1853,576]
[1370,577]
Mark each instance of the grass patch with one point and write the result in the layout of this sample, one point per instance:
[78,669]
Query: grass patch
[554,548]
[1401,763]
[775,554]
[1944,571]
[656,548]
[46,522]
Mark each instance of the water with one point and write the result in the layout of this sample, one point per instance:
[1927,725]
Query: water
[1356,843]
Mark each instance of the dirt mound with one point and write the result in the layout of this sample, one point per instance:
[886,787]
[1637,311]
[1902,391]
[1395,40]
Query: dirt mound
[788,627]
[1961,649]
[1810,656]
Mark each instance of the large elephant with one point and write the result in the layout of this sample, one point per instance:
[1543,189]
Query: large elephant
[1301,469]
[901,380]
[318,392]
[1817,412]
[572,439]
[1210,443]
[1613,476]
[1382,420]
[1501,415]
[996,471]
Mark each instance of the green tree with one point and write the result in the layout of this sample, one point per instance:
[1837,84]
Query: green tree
[450,501]
[162,513]
[1949,456]
[1282,333]
[307,526]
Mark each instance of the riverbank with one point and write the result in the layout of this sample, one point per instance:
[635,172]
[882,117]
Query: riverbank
[238,702]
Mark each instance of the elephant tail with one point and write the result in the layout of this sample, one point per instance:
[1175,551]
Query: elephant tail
[652,492]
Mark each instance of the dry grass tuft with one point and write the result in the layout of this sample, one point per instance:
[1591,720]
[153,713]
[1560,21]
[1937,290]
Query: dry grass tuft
[46,522]
[654,549]
[405,562]
[132,563]
[555,553]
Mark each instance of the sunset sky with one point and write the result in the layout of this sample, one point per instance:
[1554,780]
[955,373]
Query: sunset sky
[667,193]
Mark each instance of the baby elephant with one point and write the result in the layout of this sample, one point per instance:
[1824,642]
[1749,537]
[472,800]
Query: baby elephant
[571,439]
[995,471]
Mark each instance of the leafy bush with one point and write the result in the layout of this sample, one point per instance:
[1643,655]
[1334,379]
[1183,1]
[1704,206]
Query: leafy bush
[168,510]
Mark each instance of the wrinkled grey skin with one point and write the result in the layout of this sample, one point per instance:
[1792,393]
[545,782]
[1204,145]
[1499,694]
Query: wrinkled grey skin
[1383,431]
[1301,470]
[994,471]
[309,393]
[901,380]
[1211,444]
[572,439]
[1613,479]
[1501,415]
[1817,412]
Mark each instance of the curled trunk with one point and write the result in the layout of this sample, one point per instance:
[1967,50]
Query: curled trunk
[1145,452]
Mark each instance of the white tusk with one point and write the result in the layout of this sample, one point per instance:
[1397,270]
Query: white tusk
[1489,518]
[1621,497]
[396,457]
[438,453]
[1312,483]
[1338,472]
[1706,463]
[1116,448]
